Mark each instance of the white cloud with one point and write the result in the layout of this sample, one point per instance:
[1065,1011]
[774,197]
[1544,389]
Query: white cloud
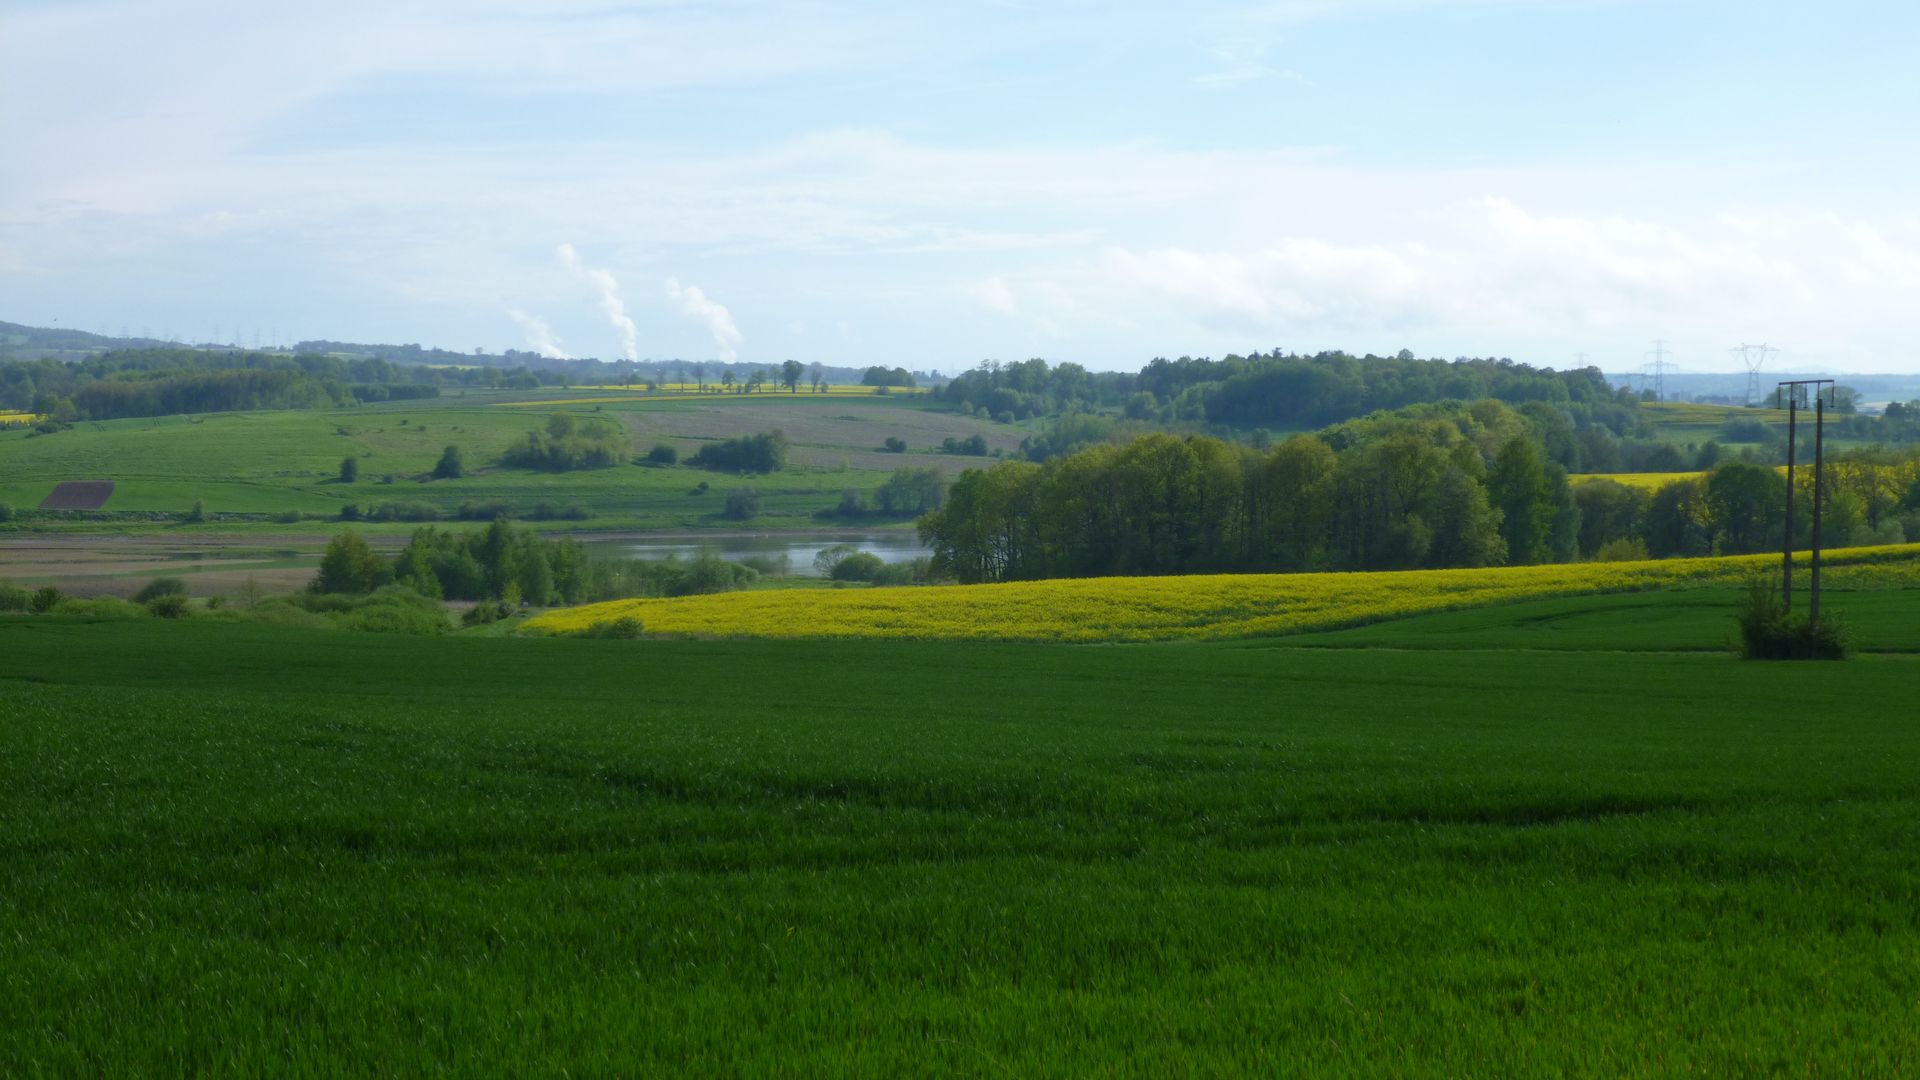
[1501,273]
[994,295]
[539,335]
[697,305]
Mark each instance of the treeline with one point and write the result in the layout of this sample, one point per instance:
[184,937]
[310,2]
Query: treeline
[512,566]
[159,382]
[1872,495]
[1431,487]
[1283,390]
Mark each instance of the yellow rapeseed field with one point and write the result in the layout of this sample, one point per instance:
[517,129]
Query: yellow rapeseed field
[713,391]
[18,419]
[1170,608]
[1654,481]
[1648,481]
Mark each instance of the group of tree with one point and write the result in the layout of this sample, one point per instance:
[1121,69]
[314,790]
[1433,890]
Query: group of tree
[566,443]
[166,381]
[907,493]
[1426,487]
[1282,390]
[762,453]
[888,377]
[506,564]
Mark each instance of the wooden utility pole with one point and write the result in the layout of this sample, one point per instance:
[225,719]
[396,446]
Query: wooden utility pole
[1793,391]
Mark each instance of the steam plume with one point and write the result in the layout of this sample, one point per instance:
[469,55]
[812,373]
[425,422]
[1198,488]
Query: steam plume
[696,304]
[539,335]
[611,301]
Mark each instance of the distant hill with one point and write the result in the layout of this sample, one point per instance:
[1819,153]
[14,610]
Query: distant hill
[21,342]
[1731,386]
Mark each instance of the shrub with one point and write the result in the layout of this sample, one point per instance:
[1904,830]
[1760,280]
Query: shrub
[44,599]
[104,607]
[486,511]
[1625,549]
[827,558]
[450,466]
[395,610]
[404,511]
[551,512]
[484,612]
[13,597]
[742,504]
[349,470]
[198,513]
[624,628]
[894,445]
[1768,631]
[779,565]
[6,513]
[912,572]
[168,606]
[662,454]
[852,504]
[159,587]
[860,566]
[350,512]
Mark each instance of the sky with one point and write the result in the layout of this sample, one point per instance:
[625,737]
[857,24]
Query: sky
[933,185]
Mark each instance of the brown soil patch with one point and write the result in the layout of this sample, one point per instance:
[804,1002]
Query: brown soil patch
[78,495]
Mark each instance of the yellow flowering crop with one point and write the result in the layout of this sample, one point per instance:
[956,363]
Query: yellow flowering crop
[18,419]
[613,393]
[1649,481]
[1198,607]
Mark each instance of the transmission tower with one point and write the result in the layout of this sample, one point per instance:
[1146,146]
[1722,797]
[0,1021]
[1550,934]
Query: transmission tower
[1753,356]
[1658,368]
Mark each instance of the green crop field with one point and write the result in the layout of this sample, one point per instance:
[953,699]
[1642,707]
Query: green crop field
[1882,620]
[288,461]
[245,849]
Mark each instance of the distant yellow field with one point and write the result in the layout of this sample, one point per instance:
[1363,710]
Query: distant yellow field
[18,419]
[1654,481]
[1646,481]
[1173,608]
[1688,412]
[714,392]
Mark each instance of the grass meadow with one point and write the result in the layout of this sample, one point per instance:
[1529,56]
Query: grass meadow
[281,462]
[242,849]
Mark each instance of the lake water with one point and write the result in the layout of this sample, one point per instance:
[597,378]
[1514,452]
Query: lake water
[891,547]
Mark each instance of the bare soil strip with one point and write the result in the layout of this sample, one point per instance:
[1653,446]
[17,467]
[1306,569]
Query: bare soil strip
[79,495]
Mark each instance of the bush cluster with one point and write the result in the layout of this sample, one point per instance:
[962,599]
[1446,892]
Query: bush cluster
[1768,631]
[763,453]
[742,504]
[567,444]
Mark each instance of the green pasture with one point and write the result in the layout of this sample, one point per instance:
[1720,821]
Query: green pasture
[1695,424]
[242,849]
[283,461]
